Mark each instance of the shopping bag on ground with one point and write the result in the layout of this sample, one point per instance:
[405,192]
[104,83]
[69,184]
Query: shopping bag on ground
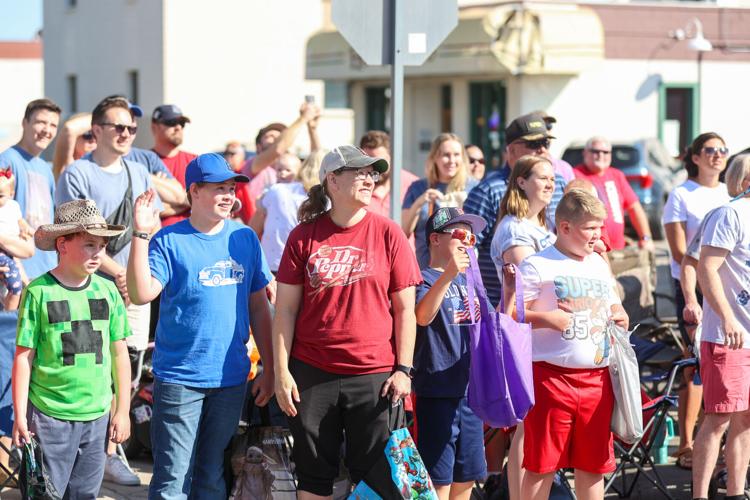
[399,473]
[501,383]
[627,416]
[34,483]
[262,466]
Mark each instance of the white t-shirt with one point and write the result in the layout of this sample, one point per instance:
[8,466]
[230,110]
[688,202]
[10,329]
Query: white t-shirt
[515,232]
[281,201]
[588,289]
[689,203]
[10,214]
[729,228]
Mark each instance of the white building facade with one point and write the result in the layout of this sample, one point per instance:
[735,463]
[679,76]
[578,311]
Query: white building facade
[23,79]
[232,66]
[606,68]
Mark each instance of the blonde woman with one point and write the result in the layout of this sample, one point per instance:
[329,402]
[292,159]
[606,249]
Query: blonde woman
[523,222]
[276,214]
[447,185]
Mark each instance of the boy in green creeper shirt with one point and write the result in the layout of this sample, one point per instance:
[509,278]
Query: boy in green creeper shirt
[71,325]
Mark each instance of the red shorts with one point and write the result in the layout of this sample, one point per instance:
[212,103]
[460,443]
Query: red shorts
[569,426]
[724,371]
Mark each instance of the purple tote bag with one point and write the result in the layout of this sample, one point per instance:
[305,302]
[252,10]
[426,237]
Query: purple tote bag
[501,384]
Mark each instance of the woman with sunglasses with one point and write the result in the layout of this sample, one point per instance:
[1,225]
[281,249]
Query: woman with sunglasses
[345,327]
[447,184]
[705,160]
[522,231]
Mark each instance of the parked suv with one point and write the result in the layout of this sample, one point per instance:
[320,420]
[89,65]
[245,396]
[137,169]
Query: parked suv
[649,168]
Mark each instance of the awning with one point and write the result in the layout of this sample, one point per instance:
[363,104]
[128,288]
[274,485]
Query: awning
[545,39]
[466,51]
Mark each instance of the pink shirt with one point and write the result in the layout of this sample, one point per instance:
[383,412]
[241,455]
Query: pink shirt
[617,195]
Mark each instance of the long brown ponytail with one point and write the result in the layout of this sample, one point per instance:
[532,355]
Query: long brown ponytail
[315,205]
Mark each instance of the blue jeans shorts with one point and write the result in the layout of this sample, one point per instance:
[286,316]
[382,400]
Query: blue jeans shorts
[450,440]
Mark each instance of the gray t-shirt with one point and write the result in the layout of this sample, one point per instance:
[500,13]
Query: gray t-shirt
[515,232]
[728,227]
[84,179]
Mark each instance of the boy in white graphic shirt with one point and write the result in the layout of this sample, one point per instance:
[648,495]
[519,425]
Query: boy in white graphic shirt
[570,297]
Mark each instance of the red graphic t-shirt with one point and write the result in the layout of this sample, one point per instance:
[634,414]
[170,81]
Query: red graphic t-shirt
[177,164]
[617,195]
[345,324]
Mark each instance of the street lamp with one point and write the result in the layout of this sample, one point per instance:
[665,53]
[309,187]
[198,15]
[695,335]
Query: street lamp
[693,33]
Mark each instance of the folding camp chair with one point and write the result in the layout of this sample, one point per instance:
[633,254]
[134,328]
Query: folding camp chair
[638,455]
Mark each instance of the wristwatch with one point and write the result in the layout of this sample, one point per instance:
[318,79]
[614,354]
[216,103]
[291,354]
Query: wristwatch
[142,235]
[407,370]
[645,237]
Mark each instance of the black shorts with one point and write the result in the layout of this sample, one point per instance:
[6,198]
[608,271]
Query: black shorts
[331,405]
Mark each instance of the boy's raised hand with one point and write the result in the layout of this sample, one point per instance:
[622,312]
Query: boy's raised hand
[119,427]
[145,217]
[458,263]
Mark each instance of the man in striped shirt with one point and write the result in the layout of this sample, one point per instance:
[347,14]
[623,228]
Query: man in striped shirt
[525,135]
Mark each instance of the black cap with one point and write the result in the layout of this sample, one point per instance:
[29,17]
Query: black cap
[446,216]
[529,127]
[167,112]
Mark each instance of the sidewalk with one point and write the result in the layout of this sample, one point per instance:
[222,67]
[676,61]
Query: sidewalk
[111,491]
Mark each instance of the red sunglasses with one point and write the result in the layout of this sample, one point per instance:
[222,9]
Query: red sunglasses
[462,235]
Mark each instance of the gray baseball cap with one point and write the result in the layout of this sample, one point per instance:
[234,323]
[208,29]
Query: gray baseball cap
[349,156]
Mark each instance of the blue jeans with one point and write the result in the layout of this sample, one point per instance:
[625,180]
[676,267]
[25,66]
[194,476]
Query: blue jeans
[190,422]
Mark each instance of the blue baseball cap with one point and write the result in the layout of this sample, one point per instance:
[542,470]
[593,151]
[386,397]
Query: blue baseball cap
[210,167]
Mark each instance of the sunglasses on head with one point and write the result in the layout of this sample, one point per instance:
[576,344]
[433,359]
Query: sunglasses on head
[88,136]
[462,235]
[710,151]
[537,144]
[120,128]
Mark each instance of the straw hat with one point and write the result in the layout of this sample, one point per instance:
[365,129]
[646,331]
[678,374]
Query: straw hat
[77,216]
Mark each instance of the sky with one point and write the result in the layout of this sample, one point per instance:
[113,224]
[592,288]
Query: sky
[20,19]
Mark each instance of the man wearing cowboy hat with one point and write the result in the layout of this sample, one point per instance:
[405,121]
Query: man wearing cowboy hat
[72,326]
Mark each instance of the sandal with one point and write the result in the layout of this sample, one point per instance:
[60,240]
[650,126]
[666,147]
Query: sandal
[684,458]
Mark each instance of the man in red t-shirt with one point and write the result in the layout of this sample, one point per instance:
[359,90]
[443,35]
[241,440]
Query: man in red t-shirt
[167,127]
[615,192]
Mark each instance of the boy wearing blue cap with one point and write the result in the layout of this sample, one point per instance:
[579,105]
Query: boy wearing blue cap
[212,275]
[452,446]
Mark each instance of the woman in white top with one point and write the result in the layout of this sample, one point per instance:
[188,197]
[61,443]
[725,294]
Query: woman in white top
[686,207]
[276,214]
[523,231]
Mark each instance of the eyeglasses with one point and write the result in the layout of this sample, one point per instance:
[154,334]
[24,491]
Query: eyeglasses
[476,160]
[600,151]
[462,235]
[711,151]
[120,128]
[88,136]
[174,122]
[537,144]
[360,174]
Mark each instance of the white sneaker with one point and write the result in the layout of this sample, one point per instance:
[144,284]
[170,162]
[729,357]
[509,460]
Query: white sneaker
[117,471]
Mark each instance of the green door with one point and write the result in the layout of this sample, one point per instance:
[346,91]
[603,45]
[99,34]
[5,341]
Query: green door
[488,119]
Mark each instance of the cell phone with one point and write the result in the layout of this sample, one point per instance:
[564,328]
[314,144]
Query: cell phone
[310,99]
